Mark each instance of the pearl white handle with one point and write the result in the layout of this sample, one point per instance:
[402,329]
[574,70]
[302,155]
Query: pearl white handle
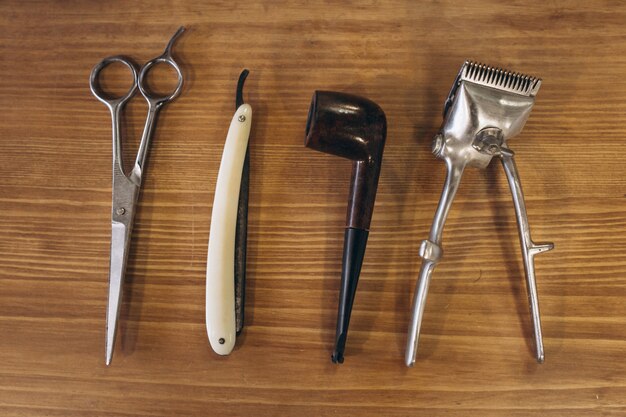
[220,271]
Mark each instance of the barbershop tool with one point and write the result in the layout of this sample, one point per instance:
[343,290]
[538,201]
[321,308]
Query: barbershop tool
[485,107]
[354,128]
[126,187]
[226,259]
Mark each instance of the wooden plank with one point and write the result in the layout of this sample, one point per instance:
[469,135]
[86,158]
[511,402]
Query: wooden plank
[476,354]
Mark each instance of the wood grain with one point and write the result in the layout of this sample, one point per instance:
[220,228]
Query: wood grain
[476,353]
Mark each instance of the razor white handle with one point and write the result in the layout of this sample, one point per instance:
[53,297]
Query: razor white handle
[220,271]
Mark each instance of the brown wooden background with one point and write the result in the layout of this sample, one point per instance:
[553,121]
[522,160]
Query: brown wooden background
[476,353]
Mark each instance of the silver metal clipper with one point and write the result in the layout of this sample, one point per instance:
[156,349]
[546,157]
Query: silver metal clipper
[485,107]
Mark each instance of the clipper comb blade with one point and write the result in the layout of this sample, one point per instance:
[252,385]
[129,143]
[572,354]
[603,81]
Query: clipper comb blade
[498,78]
[502,79]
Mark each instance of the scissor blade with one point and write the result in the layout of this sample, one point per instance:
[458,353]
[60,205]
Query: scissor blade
[119,255]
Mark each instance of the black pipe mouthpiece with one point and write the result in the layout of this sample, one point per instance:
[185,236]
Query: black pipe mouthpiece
[354,244]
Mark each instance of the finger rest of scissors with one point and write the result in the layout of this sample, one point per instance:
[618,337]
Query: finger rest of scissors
[165,58]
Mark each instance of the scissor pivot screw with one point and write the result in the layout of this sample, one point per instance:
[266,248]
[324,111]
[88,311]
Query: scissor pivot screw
[120,211]
[241,118]
[222,341]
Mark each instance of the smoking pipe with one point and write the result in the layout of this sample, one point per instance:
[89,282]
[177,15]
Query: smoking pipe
[354,128]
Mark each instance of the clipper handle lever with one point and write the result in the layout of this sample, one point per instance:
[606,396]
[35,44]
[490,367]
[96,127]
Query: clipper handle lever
[529,248]
[431,252]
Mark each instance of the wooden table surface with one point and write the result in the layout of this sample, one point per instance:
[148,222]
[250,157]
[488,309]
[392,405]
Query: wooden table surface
[476,352]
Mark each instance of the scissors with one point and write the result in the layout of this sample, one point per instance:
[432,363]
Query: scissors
[126,187]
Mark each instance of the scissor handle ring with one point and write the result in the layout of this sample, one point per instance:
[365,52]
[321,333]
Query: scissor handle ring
[158,99]
[94,81]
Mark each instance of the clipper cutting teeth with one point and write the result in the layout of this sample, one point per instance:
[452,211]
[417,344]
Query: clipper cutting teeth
[499,78]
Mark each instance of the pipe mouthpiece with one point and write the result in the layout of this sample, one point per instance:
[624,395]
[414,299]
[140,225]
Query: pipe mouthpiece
[340,346]
[355,241]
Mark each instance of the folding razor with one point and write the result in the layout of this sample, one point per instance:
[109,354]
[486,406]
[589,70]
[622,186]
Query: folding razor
[485,107]
[226,258]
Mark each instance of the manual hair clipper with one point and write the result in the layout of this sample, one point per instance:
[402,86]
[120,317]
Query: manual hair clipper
[226,259]
[485,107]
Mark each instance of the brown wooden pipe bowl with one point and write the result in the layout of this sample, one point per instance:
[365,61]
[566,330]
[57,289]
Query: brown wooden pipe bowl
[355,128]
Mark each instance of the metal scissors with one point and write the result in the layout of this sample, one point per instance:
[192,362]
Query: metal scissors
[126,187]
